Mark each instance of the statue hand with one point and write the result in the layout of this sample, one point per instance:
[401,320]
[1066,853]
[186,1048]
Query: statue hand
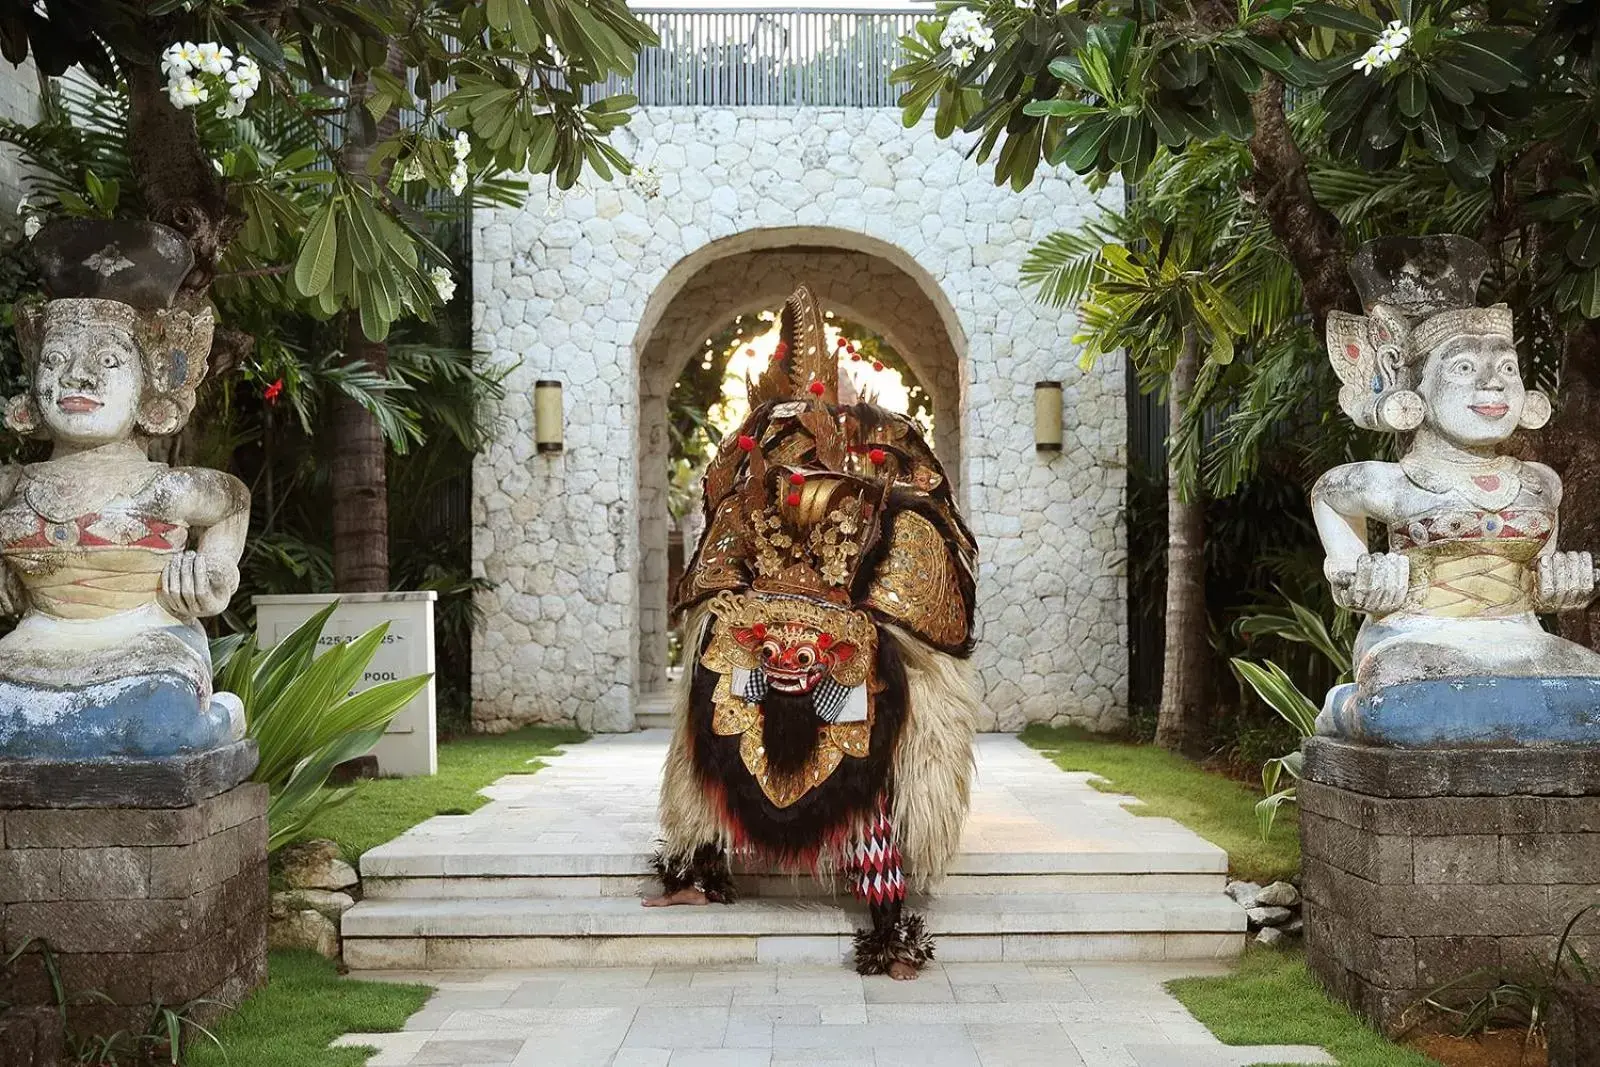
[1566,581]
[196,586]
[1377,586]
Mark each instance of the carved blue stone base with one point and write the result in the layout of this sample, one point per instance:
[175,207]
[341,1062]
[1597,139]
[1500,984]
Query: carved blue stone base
[1482,711]
[151,716]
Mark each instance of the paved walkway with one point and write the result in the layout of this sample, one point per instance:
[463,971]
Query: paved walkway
[955,1015]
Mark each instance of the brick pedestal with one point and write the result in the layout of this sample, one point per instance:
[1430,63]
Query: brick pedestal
[146,905]
[1424,866]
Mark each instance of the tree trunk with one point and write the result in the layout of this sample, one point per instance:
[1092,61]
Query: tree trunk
[1186,665]
[1282,187]
[1572,447]
[360,480]
[179,185]
[360,477]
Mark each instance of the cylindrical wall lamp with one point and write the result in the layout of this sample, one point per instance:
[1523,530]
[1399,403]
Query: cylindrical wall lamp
[547,416]
[1047,416]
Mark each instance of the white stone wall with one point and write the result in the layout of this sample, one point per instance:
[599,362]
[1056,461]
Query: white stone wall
[584,289]
[19,101]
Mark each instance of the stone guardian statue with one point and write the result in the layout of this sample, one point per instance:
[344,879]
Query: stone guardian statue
[111,558]
[1451,652]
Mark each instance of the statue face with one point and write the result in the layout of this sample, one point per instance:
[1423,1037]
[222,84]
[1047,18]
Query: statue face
[88,382]
[1473,389]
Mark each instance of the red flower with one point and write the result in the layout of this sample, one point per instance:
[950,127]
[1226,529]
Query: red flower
[272,391]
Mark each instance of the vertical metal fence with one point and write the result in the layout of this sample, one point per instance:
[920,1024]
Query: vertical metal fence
[817,57]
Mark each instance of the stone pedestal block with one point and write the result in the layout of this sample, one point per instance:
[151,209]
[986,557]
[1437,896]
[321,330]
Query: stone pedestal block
[1427,867]
[140,905]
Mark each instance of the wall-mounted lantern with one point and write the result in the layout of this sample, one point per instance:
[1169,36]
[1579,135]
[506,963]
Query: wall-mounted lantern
[1047,416]
[547,416]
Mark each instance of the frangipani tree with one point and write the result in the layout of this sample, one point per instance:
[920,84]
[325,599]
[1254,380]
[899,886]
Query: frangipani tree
[1503,99]
[399,97]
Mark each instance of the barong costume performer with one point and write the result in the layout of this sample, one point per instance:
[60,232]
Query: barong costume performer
[825,722]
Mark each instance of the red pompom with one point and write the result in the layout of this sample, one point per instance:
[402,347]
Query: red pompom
[855,359]
[824,641]
[878,456]
[877,364]
[793,500]
[817,389]
[797,478]
[851,349]
[842,343]
[747,442]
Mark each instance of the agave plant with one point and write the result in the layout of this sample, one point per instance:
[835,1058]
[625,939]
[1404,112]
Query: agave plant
[302,715]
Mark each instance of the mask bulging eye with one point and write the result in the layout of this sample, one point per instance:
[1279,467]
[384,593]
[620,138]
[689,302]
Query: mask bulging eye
[806,657]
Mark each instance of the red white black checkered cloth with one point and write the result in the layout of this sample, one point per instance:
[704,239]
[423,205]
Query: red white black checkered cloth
[875,874]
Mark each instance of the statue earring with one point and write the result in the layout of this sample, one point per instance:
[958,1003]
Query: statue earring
[159,416]
[22,415]
[1535,411]
[1400,410]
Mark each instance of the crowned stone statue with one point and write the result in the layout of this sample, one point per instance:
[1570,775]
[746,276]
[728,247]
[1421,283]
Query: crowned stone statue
[1451,652]
[111,558]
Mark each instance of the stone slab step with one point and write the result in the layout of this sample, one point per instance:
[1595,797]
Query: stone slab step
[610,916]
[600,931]
[636,885]
[652,720]
[421,856]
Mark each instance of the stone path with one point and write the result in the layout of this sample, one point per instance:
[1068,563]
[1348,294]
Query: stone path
[955,1015]
[548,874]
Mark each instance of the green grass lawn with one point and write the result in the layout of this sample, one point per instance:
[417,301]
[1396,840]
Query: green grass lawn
[304,1006]
[1271,999]
[382,809]
[1219,809]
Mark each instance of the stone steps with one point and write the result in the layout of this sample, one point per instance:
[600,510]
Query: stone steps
[641,882]
[438,934]
[548,874]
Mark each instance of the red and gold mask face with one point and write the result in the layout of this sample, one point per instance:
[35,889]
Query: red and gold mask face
[794,656]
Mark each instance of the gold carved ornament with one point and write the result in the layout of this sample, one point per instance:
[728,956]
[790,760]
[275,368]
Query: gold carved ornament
[918,584]
[732,715]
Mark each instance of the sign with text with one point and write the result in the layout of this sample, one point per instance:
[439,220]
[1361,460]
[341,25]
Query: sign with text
[410,746]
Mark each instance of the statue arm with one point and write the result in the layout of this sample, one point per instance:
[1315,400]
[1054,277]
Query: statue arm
[1566,580]
[1341,502]
[200,582]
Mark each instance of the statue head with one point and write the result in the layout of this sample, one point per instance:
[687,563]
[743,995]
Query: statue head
[1424,353]
[108,356]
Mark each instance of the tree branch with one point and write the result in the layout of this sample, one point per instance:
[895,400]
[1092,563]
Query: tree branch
[1308,232]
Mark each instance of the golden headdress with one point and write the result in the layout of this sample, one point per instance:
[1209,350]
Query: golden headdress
[844,504]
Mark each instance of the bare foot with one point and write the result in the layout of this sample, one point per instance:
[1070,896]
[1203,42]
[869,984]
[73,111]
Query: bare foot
[688,895]
[902,972]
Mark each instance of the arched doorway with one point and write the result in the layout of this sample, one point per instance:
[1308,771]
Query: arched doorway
[862,286]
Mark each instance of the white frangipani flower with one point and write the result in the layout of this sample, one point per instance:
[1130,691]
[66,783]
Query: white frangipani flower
[443,284]
[214,58]
[244,79]
[173,61]
[232,109]
[962,55]
[458,179]
[1391,42]
[31,225]
[965,35]
[185,92]
[463,146]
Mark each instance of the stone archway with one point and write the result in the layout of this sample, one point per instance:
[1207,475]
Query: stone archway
[859,285]
[572,287]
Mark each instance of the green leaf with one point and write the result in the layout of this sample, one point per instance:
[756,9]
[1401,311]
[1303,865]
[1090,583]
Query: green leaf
[1232,109]
[1412,94]
[1584,246]
[1280,693]
[1241,72]
[1080,149]
[1334,17]
[313,267]
[1062,109]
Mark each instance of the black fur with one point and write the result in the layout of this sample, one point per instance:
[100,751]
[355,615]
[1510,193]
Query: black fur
[706,869]
[893,939]
[851,793]
[789,731]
